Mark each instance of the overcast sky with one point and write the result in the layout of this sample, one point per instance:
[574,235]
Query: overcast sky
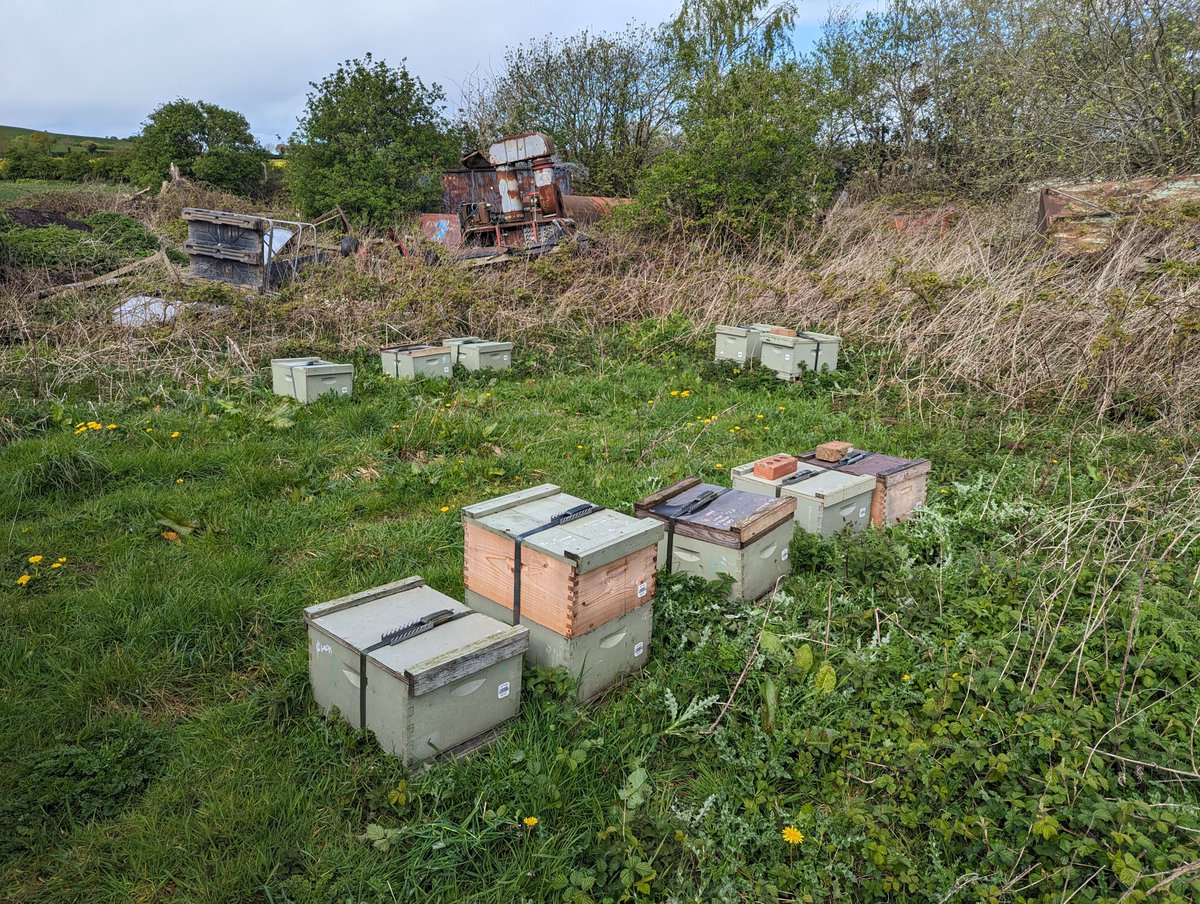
[98,67]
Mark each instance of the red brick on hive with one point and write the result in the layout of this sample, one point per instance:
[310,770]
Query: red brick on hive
[775,466]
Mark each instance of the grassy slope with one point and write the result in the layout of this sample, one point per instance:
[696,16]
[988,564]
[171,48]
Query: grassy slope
[62,143]
[17,189]
[181,670]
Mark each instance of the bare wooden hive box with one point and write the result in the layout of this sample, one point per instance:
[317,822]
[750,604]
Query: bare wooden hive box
[425,673]
[575,575]
[715,530]
[900,483]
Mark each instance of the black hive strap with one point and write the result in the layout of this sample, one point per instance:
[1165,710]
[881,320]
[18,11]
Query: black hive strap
[572,514]
[390,639]
[841,462]
[801,475]
[674,513]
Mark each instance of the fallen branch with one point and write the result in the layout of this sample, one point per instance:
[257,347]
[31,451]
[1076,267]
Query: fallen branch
[100,280]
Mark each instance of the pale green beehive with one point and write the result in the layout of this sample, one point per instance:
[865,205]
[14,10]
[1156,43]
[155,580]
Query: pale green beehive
[439,691]
[827,502]
[791,356]
[744,535]
[409,362]
[597,659]
[306,379]
[454,343]
[741,343]
[485,355]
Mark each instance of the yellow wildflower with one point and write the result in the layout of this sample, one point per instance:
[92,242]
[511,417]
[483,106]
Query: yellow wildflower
[175,435]
[760,416]
[944,490]
[906,677]
[530,821]
[33,560]
[56,565]
[793,835]
[577,446]
[112,426]
[445,508]
[686,393]
[23,580]
[782,408]
[718,465]
[674,392]
[62,559]
[149,429]
[649,401]
[80,424]
[179,480]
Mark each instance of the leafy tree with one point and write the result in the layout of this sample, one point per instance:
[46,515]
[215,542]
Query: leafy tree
[372,139]
[748,162]
[203,140]
[607,100]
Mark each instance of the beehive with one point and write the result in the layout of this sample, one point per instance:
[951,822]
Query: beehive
[744,535]
[454,343]
[596,659]
[306,379]
[827,502]
[481,355]
[438,691]
[791,356]
[900,483]
[408,362]
[575,576]
[741,343]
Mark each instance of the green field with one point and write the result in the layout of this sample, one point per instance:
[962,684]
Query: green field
[995,701]
[62,143]
[17,189]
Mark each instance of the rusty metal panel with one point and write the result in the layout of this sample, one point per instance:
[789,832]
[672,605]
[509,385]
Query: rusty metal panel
[442,228]
[587,208]
[472,186]
[514,148]
[1082,218]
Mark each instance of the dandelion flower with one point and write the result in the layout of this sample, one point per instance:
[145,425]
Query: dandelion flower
[649,401]
[23,580]
[487,395]
[530,821]
[738,427]
[686,393]
[718,465]
[56,565]
[179,480]
[149,429]
[62,560]
[80,424]
[793,835]
[783,408]
[760,416]
[944,490]
[175,435]
[33,560]
[906,678]
[674,392]
[445,508]
[112,427]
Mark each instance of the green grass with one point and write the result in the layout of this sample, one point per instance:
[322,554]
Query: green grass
[62,143]
[17,189]
[988,668]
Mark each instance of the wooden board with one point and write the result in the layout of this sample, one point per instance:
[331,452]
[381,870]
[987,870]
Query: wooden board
[553,593]
[735,520]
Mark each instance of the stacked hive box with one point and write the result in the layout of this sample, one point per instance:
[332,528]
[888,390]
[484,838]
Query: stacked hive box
[900,483]
[580,577]
[407,362]
[827,501]
[741,344]
[474,353]
[791,356]
[713,530]
[426,674]
[305,379]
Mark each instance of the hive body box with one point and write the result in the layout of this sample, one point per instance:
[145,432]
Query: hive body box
[596,659]
[434,692]
[584,584]
[744,535]
[474,353]
[408,362]
[791,356]
[900,483]
[827,502]
[574,577]
[306,379]
[740,344]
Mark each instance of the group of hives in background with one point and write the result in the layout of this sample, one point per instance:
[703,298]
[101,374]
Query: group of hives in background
[560,582]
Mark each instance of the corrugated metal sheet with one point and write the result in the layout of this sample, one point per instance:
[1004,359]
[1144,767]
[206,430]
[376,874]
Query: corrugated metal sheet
[1082,218]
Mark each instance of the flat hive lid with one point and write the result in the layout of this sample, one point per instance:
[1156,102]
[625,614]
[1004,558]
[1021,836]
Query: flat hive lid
[490,346]
[830,487]
[460,340]
[821,337]
[586,543]
[735,518]
[293,362]
[360,624]
[785,341]
[323,368]
[876,464]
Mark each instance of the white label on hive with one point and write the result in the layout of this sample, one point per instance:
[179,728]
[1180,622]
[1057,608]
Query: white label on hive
[446,370]
[638,649]
[784,556]
[787,357]
[322,647]
[502,690]
[862,512]
[643,589]
[740,354]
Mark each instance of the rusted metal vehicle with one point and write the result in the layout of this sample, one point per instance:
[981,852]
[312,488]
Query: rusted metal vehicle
[1082,218]
[515,200]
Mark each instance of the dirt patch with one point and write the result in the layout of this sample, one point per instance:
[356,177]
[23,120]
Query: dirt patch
[29,218]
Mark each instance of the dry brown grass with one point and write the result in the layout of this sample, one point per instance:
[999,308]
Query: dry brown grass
[985,307]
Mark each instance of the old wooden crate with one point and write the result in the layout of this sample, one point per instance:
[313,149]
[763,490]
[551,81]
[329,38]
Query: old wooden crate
[714,530]
[436,691]
[900,483]
[791,356]
[740,343]
[481,355]
[306,379]
[408,362]
[596,659]
[574,576]
[827,502]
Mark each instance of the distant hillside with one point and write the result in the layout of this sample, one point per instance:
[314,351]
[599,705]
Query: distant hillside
[62,143]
